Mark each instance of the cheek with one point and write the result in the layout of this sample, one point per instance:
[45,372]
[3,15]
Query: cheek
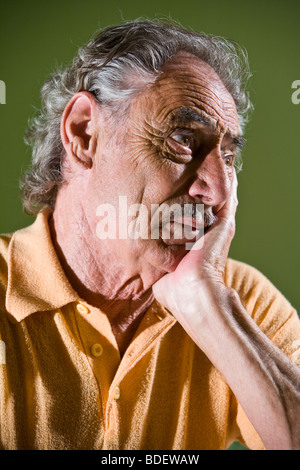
[150,168]
[164,178]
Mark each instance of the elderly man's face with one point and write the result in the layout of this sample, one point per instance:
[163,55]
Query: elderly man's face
[176,145]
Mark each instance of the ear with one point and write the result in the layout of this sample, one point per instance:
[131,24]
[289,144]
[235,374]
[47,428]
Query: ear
[78,128]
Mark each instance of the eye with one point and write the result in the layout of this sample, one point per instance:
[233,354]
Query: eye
[228,159]
[184,140]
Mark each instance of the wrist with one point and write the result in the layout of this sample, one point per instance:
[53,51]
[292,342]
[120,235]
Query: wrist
[210,312]
[203,306]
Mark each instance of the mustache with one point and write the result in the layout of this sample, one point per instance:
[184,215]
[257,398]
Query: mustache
[206,215]
[199,213]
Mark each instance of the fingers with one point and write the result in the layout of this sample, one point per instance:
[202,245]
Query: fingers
[228,209]
[235,188]
[219,236]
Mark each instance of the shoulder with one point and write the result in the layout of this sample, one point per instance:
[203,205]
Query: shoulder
[7,336]
[252,285]
[242,276]
[268,307]
[5,240]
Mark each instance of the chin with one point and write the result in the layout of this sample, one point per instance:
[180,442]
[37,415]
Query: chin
[166,257]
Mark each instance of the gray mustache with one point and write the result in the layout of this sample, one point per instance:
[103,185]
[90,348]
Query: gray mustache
[198,212]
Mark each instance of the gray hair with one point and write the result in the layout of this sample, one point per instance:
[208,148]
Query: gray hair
[106,67]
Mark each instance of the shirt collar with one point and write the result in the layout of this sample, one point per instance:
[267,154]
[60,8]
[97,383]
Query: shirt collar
[36,280]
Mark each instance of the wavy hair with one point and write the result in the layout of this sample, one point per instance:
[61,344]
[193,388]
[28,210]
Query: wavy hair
[115,65]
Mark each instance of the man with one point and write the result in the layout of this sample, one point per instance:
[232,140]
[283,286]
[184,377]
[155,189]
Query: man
[137,342]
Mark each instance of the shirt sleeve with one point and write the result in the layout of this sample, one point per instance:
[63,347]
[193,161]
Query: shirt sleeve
[276,318]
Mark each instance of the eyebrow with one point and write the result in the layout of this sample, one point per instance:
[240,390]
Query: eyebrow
[188,115]
[238,140]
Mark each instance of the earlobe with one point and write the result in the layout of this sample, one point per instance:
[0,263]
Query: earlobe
[78,130]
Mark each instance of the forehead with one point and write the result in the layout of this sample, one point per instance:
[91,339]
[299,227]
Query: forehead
[188,83]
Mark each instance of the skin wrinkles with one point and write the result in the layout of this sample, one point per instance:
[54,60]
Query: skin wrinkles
[148,138]
[208,103]
[193,77]
[152,131]
[165,150]
[136,158]
[163,115]
[122,277]
[189,117]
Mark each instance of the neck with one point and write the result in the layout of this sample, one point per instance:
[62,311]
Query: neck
[96,274]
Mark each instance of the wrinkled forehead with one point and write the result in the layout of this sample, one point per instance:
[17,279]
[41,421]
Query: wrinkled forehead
[188,83]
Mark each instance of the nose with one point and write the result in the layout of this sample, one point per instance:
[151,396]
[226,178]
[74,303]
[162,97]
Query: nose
[211,181]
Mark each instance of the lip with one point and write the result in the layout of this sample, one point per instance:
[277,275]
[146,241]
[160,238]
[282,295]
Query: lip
[190,231]
[191,222]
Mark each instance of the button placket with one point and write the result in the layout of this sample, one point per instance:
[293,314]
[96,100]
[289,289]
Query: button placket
[135,352]
[140,346]
[98,344]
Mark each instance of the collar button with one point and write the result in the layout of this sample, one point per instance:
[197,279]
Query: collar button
[81,308]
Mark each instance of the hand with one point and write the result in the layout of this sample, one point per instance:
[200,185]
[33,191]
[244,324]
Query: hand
[264,381]
[201,269]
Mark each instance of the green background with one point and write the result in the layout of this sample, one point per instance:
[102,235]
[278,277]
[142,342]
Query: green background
[36,36]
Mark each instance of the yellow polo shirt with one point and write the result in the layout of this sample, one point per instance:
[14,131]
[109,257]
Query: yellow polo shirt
[63,384]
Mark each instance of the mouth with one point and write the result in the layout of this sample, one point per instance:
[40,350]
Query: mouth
[193,222]
[180,231]
[184,226]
